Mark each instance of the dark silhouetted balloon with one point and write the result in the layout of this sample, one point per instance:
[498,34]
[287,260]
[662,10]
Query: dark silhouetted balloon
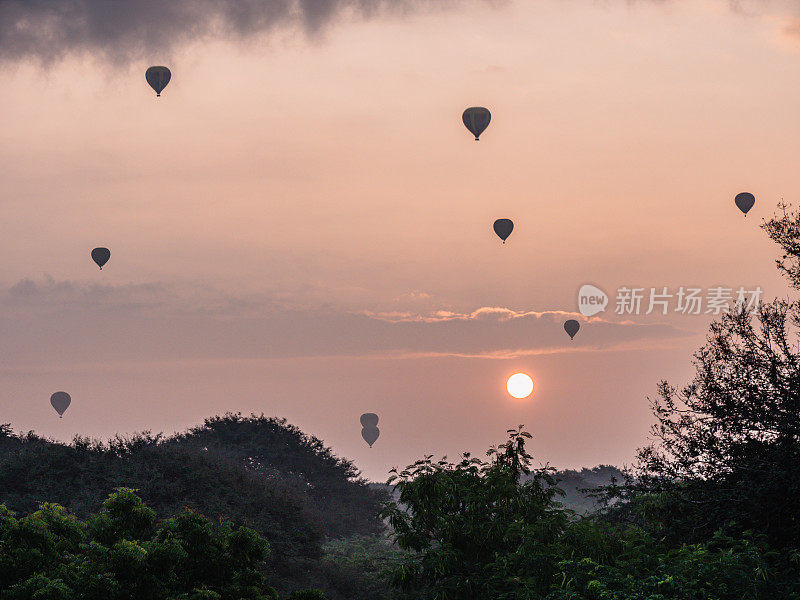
[745,201]
[369,420]
[572,327]
[370,435]
[369,430]
[477,120]
[158,78]
[101,256]
[60,401]
[503,228]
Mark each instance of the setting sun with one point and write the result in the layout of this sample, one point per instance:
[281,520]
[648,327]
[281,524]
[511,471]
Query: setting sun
[519,385]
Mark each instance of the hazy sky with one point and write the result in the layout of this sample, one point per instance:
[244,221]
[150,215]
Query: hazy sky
[301,225]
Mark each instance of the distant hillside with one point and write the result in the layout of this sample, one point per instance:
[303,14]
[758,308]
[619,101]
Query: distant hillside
[257,471]
[572,482]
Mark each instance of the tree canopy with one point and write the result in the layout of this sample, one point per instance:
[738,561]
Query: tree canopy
[125,553]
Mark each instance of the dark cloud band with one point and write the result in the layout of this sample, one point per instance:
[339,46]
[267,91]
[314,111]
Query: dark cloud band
[130,29]
[63,322]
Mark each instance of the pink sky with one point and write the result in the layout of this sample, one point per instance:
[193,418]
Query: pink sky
[289,195]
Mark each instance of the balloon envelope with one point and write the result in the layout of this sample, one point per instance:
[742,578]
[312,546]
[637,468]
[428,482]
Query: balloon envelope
[158,78]
[60,401]
[572,327]
[101,256]
[476,119]
[370,434]
[745,201]
[503,228]
[369,420]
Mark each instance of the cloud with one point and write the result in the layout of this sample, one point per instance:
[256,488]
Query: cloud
[496,313]
[126,30]
[61,323]
[129,29]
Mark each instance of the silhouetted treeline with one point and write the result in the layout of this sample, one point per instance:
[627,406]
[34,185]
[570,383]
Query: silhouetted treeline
[259,472]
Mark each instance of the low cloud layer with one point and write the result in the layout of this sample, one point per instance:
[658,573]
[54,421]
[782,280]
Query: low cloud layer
[60,324]
[129,29]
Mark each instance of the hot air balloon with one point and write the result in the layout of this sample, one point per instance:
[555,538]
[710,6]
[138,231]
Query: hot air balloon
[370,435]
[369,420]
[572,327]
[369,431]
[60,401]
[503,228]
[476,120]
[745,201]
[101,256]
[158,78]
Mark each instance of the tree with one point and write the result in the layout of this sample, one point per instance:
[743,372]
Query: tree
[341,500]
[784,230]
[727,446]
[630,564]
[124,553]
[473,528]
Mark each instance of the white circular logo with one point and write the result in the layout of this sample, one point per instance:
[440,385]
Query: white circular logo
[591,300]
